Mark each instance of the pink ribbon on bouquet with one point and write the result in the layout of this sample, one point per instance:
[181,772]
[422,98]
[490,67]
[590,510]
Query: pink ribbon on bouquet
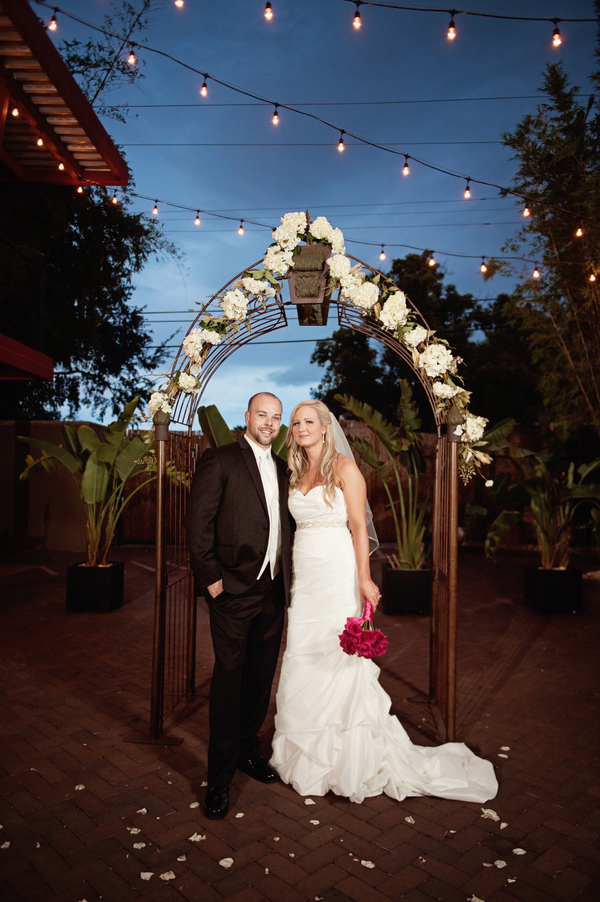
[361,638]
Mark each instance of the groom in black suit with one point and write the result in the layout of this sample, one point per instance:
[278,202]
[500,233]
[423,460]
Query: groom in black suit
[239,536]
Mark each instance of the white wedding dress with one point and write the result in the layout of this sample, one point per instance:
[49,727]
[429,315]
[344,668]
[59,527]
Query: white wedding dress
[333,729]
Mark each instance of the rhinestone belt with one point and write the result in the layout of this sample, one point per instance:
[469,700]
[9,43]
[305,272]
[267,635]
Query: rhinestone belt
[316,524]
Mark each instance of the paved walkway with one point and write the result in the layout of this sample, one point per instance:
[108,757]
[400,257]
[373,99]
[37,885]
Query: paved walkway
[87,815]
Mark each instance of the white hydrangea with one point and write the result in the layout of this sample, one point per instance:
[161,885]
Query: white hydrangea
[258,286]
[339,266]
[210,337]
[188,384]
[159,401]
[394,311]
[474,427]
[235,305]
[195,369]
[337,242]
[192,343]
[277,260]
[366,296]
[415,336]
[441,390]
[321,229]
[286,235]
[295,222]
[436,360]
[351,283]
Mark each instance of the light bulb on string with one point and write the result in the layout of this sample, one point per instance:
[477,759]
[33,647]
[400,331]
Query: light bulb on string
[79,189]
[431,261]
[268,11]
[275,119]
[15,111]
[155,208]
[53,23]
[131,58]
[382,254]
[204,89]
[405,168]
[556,38]
[483,267]
[179,3]
[241,228]
[593,277]
[356,20]
[526,211]
[579,232]
[341,141]
[197,219]
[40,141]
[452,26]
[114,199]
[536,272]
[61,165]
[467,193]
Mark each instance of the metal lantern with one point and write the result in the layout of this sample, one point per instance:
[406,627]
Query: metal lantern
[307,281]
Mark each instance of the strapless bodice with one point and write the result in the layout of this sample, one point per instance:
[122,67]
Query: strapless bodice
[313,511]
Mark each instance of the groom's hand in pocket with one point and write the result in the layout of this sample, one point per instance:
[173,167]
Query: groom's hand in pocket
[216,588]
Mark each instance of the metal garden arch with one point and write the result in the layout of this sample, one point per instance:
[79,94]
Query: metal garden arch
[173,672]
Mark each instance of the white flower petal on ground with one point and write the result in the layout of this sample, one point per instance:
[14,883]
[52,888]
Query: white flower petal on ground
[505,748]
[511,880]
[488,484]
[409,819]
[367,864]
[5,845]
[488,864]
[503,825]
[195,805]
[266,871]
[182,858]
[240,814]
[275,839]
[79,787]
[37,845]
[502,755]
[142,811]
[204,783]
[309,802]
[489,812]
[519,852]
[197,837]
[475,898]
[168,875]
[226,862]
[315,822]
[134,829]
[292,854]
[139,845]
[499,863]
[145,875]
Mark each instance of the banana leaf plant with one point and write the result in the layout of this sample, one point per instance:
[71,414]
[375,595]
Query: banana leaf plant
[402,443]
[101,469]
[553,493]
[217,432]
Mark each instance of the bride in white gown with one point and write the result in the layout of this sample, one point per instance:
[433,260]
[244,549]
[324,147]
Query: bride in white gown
[333,729]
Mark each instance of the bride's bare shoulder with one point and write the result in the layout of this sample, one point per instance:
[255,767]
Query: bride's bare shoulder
[345,469]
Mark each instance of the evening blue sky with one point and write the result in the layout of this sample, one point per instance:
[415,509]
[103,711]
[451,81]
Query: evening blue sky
[397,81]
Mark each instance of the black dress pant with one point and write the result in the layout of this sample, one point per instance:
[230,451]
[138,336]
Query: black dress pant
[246,633]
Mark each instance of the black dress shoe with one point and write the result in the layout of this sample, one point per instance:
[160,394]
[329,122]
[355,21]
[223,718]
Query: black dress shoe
[216,803]
[258,769]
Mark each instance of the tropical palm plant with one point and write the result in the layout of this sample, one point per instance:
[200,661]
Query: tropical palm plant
[217,432]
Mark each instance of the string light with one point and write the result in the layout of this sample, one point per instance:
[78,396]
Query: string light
[405,168]
[452,26]
[526,212]
[275,119]
[593,277]
[536,272]
[131,58]
[79,189]
[356,21]
[15,111]
[556,39]
[197,219]
[241,228]
[40,141]
[579,232]
[114,198]
[155,208]
[61,165]
[483,267]
[179,3]
[53,23]
[204,89]
[467,193]
[341,141]
[431,260]
[268,11]
[382,254]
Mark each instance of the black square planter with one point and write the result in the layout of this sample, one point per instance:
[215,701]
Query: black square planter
[406,591]
[553,591]
[95,589]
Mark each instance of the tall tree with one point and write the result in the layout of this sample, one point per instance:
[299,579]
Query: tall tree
[351,368]
[558,154]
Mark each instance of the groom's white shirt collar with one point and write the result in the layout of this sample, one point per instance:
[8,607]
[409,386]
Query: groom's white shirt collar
[259,451]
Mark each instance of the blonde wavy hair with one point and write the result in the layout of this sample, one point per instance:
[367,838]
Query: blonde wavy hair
[298,459]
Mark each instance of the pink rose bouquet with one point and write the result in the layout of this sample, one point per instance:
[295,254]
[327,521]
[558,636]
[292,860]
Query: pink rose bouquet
[361,638]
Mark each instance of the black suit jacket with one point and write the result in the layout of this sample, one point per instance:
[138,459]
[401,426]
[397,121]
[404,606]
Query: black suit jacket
[227,521]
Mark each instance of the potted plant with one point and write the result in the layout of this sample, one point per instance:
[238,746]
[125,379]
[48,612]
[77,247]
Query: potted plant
[100,468]
[551,493]
[406,584]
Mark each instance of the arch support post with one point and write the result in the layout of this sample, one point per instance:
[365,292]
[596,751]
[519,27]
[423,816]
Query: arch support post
[158,650]
[453,442]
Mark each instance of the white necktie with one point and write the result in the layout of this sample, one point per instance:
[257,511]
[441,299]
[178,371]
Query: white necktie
[268,477]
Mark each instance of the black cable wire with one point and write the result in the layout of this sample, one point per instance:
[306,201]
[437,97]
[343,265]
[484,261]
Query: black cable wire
[468,12]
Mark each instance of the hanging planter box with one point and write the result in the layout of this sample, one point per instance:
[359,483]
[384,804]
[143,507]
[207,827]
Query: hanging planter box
[553,591]
[307,280]
[406,591]
[95,589]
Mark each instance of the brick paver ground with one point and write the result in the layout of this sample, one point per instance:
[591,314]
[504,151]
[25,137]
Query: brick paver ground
[87,815]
